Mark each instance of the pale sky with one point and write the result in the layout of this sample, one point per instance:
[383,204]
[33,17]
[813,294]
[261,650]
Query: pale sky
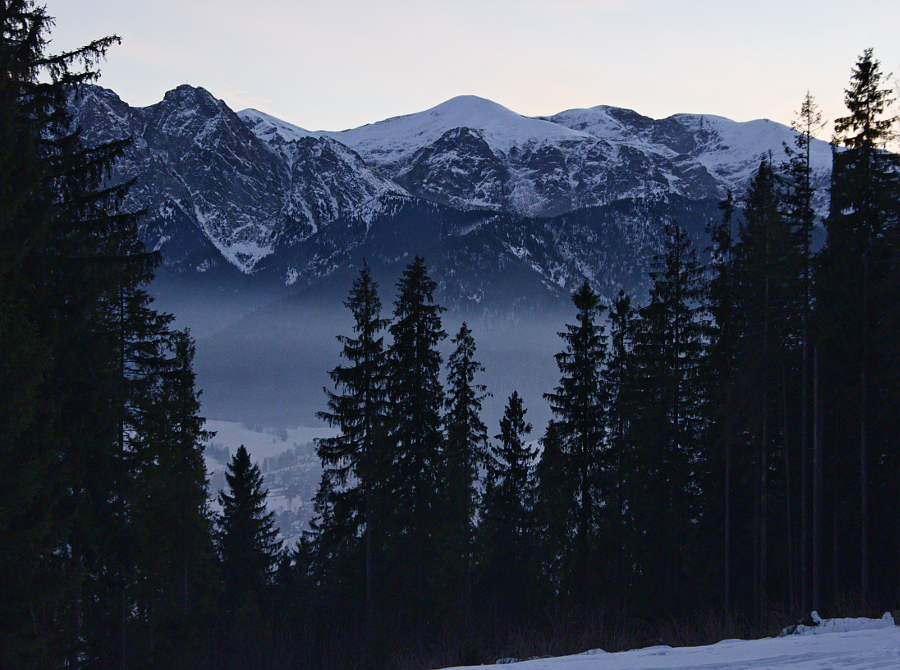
[337,64]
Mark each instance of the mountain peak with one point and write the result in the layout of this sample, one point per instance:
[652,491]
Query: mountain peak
[188,93]
[395,139]
[265,126]
[472,107]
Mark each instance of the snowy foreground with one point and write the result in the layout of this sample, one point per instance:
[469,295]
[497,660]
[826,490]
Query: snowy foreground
[844,644]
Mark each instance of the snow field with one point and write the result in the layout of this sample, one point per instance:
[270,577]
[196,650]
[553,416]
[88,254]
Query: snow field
[836,644]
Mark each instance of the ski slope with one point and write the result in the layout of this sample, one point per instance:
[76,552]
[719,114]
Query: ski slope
[836,644]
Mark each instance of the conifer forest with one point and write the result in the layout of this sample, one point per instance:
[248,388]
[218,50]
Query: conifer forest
[723,457]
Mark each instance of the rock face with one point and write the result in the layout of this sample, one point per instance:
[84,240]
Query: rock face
[487,193]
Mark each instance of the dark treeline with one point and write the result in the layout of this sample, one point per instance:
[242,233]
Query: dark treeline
[725,454]
[105,542]
[721,457]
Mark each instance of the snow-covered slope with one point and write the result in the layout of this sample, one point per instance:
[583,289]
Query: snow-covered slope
[203,177]
[472,153]
[861,644]
[222,187]
[390,142]
[328,180]
[729,151]
[271,129]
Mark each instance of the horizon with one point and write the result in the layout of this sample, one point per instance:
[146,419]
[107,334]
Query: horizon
[337,66]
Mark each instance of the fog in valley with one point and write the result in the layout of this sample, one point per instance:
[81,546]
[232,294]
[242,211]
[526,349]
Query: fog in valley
[263,359]
[262,362]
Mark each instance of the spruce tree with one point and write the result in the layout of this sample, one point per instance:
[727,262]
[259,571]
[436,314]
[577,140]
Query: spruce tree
[415,429]
[507,529]
[759,239]
[465,456]
[246,537]
[579,406]
[350,497]
[865,188]
[553,504]
[173,528]
[800,217]
[720,298]
[68,252]
[669,428]
[766,327]
[622,413]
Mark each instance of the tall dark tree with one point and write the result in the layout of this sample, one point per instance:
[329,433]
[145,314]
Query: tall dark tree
[579,406]
[669,351]
[465,457]
[415,427]
[863,212]
[173,534]
[623,410]
[800,218]
[553,502]
[246,538]
[507,527]
[71,268]
[721,300]
[766,277]
[355,461]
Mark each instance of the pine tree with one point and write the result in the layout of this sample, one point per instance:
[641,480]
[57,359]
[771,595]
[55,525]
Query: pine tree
[465,456]
[863,212]
[414,422]
[246,538]
[579,405]
[669,360]
[507,528]
[350,498]
[800,218]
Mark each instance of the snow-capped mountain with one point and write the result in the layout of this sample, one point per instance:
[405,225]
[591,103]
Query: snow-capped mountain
[481,189]
[472,153]
[207,180]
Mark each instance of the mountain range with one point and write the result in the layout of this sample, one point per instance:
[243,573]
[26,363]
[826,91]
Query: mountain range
[510,211]
[262,224]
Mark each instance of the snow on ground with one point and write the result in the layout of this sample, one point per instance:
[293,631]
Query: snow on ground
[837,644]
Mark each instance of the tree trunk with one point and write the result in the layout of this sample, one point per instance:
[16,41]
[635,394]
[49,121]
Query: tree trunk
[817,482]
[729,401]
[763,510]
[804,472]
[863,436]
[792,577]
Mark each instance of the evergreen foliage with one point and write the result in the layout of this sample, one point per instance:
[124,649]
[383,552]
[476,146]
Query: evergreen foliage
[668,432]
[797,196]
[851,307]
[350,497]
[415,435]
[579,406]
[623,417]
[103,384]
[465,456]
[669,470]
[507,530]
[246,537]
